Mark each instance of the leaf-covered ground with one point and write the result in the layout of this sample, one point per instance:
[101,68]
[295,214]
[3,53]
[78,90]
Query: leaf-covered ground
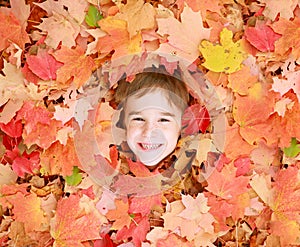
[50,51]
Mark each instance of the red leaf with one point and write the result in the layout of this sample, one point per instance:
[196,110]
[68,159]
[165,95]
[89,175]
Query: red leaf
[262,37]
[26,164]
[195,118]
[14,128]
[243,165]
[43,65]
[114,156]
[137,230]
[105,242]
[143,205]
[139,169]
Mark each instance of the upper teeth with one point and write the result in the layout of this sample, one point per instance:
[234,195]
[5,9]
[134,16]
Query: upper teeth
[150,146]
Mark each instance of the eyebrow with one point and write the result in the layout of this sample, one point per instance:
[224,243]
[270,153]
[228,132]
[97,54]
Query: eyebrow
[164,113]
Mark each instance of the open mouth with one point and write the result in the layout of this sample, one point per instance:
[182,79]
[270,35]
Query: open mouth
[149,146]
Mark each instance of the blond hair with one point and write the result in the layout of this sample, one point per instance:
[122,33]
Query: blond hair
[146,82]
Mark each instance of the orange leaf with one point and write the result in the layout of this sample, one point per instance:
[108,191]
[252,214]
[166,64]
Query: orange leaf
[72,225]
[285,206]
[77,65]
[11,31]
[226,184]
[117,38]
[252,113]
[235,144]
[290,31]
[60,159]
[138,15]
[39,126]
[27,209]
[119,215]
[241,81]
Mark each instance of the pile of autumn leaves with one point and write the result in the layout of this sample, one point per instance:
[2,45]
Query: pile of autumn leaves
[249,52]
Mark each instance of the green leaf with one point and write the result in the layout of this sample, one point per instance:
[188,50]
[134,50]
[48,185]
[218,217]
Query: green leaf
[93,16]
[293,150]
[75,178]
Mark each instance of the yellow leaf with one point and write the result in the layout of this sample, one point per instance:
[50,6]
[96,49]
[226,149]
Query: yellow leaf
[224,57]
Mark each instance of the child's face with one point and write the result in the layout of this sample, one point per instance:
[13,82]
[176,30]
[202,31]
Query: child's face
[152,126]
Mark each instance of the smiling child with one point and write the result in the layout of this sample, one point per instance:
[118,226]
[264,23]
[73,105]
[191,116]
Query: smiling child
[153,104]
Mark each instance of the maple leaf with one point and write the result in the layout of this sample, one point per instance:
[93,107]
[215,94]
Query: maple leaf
[66,8]
[173,240]
[243,165]
[138,168]
[137,230]
[289,123]
[293,150]
[275,7]
[27,209]
[93,16]
[226,57]
[11,85]
[59,29]
[285,205]
[39,127]
[139,186]
[43,64]
[119,215]
[188,228]
[262,157]
[21,10]
[7,176]
[107,202]
[194,208]
[13,128]
[195,118]
[60,159]
[252,114]
[138,15]
[72,224]
[290,32]
[63,21]
[27,163]
[183,38]
[245,75]
[282,105]
[201,5]
[144,205]
[12,31]
[77,65]
[220,209]
[235,144]
[262,37]
[226,184]
[117,38]
[290,82]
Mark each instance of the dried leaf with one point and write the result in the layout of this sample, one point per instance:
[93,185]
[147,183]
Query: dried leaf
[183,38]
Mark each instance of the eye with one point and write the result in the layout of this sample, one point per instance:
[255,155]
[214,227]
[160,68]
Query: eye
[138,119]
[164,120]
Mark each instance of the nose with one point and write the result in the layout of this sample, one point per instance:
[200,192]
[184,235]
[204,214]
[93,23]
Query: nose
[148,129]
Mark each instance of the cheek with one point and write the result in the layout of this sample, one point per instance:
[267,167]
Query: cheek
[131,132]
[172,134]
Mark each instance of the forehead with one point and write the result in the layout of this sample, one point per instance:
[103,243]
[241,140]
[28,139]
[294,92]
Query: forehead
[157,99]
